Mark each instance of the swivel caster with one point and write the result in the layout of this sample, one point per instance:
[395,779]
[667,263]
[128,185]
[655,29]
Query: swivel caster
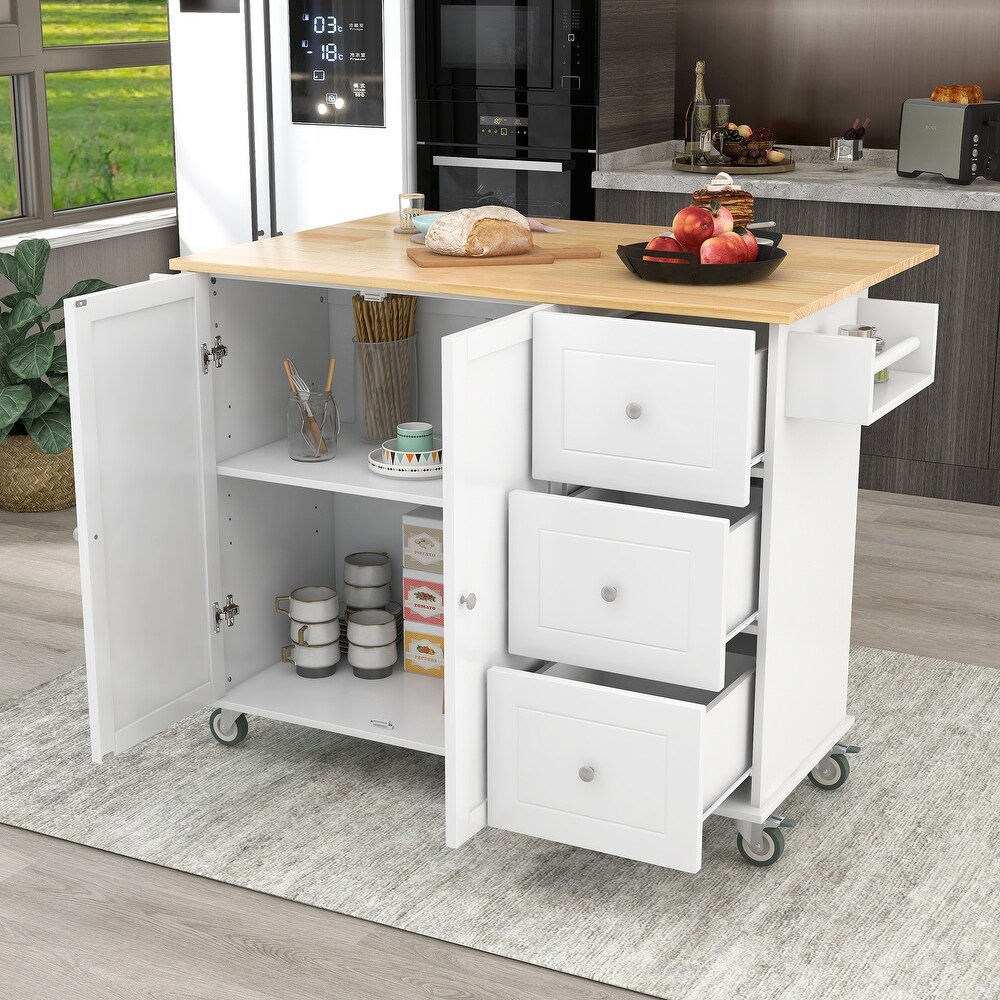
[230,732]
[831,772]
[771,848]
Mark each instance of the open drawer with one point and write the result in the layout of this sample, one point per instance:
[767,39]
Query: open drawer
[830,377]
[612,763]
[672,409]
[638,585]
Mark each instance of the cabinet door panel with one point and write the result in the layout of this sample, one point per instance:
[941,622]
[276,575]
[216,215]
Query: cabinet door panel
[147,508]
[487,432]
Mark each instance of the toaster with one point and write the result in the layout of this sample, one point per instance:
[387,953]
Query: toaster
[958,141]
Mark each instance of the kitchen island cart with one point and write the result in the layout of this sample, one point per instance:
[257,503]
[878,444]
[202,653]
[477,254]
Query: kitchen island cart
[648,510]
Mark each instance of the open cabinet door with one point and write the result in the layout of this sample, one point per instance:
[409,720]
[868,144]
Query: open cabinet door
[146,506]
[487,434]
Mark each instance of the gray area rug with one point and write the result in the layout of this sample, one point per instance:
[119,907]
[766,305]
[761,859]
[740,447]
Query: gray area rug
[888,889]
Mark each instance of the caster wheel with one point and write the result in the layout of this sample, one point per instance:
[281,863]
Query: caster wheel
[233,736]
[774,845]
[831,772]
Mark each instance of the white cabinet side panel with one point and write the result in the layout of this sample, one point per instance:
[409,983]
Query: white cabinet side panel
[145,470]
[487,432]
[807,573]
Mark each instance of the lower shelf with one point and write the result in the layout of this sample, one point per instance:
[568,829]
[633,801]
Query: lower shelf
[403,709]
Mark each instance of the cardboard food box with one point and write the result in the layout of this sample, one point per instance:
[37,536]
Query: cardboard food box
[423,599]
[423,650]
[423,540]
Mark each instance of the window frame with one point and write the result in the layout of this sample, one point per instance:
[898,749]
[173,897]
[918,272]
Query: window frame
[31,134]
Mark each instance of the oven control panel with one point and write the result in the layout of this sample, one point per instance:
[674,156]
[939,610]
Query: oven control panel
[502,130]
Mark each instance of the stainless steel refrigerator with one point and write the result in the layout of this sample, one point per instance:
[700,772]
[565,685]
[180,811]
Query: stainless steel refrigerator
[288,114]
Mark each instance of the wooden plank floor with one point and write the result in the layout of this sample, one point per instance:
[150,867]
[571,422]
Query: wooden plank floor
[79,923]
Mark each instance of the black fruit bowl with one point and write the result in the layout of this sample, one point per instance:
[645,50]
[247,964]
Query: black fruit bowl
[691,272]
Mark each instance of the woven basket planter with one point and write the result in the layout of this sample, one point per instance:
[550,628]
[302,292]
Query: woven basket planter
[31,480]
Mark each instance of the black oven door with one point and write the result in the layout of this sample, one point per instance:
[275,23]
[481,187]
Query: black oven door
[557,186]
[496,49]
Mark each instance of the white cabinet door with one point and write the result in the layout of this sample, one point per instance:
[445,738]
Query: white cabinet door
[486,421]
[146,506]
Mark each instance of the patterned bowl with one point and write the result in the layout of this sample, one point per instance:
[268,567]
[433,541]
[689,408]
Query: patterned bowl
[393,455]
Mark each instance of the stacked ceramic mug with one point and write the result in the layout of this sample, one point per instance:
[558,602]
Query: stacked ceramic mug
[371,629]
[314,614]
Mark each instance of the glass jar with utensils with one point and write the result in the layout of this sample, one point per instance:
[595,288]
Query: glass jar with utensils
[313,420]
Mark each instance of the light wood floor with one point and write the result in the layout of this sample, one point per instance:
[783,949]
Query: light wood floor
[79,923]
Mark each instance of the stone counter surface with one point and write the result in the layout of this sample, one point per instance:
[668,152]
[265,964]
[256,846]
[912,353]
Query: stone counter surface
[871,181]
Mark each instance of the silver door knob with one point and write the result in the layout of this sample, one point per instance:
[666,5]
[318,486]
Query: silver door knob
[633,411]
[469,600]
[609,593]
[587,774]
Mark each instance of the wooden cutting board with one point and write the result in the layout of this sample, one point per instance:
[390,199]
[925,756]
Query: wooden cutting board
[423,257]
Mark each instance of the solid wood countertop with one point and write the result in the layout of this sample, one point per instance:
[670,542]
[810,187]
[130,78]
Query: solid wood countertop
[368,255]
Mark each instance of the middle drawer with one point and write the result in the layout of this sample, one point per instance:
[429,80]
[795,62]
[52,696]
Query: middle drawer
[645,586]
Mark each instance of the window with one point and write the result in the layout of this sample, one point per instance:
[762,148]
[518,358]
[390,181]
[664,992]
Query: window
[85,118]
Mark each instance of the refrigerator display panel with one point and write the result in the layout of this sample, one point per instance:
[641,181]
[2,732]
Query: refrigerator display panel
[337,62]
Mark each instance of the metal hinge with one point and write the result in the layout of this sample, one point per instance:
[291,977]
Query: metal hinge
[217,352]
[226,613]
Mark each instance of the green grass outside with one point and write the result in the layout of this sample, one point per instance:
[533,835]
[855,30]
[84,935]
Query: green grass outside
[110,135]
[95,22]
[8,177]
[110,131]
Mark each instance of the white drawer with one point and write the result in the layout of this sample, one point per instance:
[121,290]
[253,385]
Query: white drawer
[615,764]
[637,585]
[666,408]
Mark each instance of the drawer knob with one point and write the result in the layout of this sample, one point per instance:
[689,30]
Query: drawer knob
[587,774]
[633,411]
[469,600]
[609,593]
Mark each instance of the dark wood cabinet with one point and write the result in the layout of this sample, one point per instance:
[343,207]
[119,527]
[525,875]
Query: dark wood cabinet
[946,441]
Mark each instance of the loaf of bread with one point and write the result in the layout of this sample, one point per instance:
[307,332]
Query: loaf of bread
[972,94]
[490,231]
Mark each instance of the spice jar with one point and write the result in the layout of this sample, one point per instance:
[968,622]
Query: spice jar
[868,331]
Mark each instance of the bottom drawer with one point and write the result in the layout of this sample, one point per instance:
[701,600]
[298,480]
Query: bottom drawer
[616,764]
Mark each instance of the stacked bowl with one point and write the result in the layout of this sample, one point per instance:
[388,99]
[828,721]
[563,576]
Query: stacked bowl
[371,629]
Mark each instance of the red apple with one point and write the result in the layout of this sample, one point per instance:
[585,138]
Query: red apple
[692,226]
[723,218]
[722,250]
[737,242]
[664,242]
[751,243]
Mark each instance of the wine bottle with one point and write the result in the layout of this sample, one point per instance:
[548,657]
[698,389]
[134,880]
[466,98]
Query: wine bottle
[698,117]
[852,132]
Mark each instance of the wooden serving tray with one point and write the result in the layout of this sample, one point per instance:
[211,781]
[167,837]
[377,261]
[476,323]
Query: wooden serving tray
[684,163]
[423,257]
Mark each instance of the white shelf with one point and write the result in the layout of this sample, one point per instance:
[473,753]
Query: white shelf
[343,703]
[347,473]
[900,387]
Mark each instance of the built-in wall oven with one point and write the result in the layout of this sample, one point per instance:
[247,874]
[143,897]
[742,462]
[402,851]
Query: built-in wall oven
[506,104]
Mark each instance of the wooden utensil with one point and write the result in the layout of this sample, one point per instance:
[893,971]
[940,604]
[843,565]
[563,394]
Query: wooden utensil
[295,383]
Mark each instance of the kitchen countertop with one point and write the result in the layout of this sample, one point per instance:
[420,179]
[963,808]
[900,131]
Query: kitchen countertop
[871,181]
[367,255]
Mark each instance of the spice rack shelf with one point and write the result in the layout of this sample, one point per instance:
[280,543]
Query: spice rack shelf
[831,377]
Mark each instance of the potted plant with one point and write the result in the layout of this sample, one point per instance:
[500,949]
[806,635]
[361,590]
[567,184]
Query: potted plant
[36,457]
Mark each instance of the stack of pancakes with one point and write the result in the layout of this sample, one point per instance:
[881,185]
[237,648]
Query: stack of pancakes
[739,202]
